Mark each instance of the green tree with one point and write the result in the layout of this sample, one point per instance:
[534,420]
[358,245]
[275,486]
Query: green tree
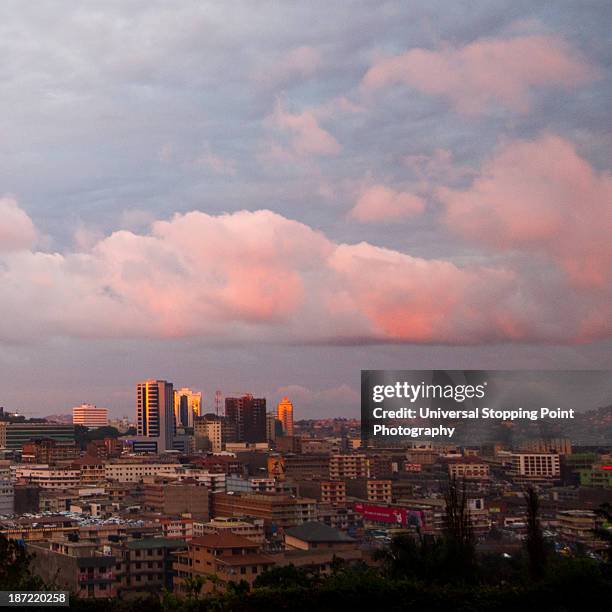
[15,572]
[284,577]
[534,542]
[459,541]
[193,585]
[604,531]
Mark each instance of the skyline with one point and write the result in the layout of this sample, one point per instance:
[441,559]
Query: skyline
[223,198]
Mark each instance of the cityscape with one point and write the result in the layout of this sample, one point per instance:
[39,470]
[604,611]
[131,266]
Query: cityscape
[306,305]
[150,505]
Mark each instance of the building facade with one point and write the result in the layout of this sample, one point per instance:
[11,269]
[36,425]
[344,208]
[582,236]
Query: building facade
[155,412]
[284,413]
[89,415]
[187,406]
[249,415]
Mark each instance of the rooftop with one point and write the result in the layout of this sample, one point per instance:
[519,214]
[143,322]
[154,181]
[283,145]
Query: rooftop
[314,531]
[156,543]
[223,540]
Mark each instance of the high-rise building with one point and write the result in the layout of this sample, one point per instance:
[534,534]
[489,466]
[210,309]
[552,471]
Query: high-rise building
[214,430]
[155,412]
[187,405]
[249,415]
[284,413]
[89,415]
[274,427]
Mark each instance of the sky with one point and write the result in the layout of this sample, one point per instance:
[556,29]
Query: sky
[269,197]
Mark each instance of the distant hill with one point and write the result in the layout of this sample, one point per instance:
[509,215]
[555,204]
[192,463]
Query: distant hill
[64,419]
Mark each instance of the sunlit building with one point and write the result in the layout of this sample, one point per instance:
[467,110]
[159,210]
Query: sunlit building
[155,412]
[89,415]
[284,413]
[187,406]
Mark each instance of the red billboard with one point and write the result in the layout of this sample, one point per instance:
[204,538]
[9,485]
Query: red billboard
[401,517]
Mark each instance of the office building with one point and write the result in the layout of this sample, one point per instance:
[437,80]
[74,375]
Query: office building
[274,427]
[249,415]
[213,432]
[17,434]
[534,466]
[155,412]
[187,406]
[284,413]
[89,415]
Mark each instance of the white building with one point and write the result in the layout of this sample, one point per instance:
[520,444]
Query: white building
[136,472]
[535,465]
[48,477]
[89,415]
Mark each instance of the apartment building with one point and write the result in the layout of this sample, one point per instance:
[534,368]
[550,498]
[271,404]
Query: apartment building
[77,567]
[136,471]
[48,477]
[348,466]
[247,527]
[145,565]
[231,558]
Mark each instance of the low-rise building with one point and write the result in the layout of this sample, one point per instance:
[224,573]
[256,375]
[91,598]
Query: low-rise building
[278,511]
[228,557]
[315,534]
[177,497]
[145,565]
[247,527]
[77,567]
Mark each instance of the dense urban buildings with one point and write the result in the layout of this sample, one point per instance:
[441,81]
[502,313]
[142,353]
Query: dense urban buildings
[248,491]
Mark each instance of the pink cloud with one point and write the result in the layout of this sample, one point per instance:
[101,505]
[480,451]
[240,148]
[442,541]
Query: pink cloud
[307,136]
[486,72]
[540,196]
[258,276]
[16,228]
[379,203]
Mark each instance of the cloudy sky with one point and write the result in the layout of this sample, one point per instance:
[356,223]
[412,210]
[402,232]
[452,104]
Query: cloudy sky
[269,196]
